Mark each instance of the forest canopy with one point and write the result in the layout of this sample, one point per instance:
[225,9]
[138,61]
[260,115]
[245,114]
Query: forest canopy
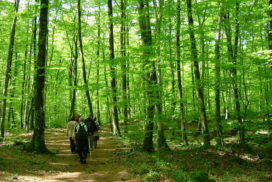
[175,67]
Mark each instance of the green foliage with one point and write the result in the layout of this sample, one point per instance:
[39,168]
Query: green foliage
[135,137]
[268,147]
[200,176]
[152,176]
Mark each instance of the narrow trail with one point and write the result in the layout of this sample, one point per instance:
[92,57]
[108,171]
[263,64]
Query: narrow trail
[102,166]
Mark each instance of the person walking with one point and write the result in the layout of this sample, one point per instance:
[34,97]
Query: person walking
[96,132]
[91,128]
[81,133]
[71,134]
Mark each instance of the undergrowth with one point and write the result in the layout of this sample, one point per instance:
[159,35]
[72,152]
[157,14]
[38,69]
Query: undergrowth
[194,163]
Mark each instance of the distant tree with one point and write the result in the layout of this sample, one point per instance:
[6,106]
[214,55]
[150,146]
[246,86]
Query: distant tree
[8,70]
[116,128]
[83,59]
[232,56]
[199,84]
[180,86]
[218,77]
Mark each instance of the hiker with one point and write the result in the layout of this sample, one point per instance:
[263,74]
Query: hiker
[91,128]
[81,133]
[96,133]
[71,134]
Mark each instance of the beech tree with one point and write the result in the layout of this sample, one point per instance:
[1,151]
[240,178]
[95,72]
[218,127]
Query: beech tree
[38,141]
[8,69]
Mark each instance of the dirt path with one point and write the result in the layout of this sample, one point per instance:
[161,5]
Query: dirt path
[103,165]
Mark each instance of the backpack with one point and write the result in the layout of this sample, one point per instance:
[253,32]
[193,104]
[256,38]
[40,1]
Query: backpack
[97,126]
[81,133]
[90,125]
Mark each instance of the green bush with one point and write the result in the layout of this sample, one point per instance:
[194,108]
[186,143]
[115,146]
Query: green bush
[179,176]
[200,176]
[140,170]
[268,147]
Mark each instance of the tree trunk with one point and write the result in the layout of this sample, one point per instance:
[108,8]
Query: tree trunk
[218,80]
[232,55]
[107,91]
[32,111]
[150,69]
[11,112]
[38,139]
[270,26]
[98,67]
[83,60]
[182,113]
[74,78]
[116,129]
[162,144]
[8,70]
[269,71]
[199,85]
[124,62]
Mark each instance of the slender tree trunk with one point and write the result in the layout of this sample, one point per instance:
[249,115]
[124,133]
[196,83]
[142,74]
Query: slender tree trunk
[98,67]
[38,139]
[23,89]
[270,25]
[74,77]
[199,85]
[83,60]
[24,74]
[232,54]
[8,70]
[124,62]
[107,91]
[32,102]
[128,69]
[270,66]
[162,144]
[11,112]
[116,129]
[218,80]
[29,89]
[11,92]
[182,113]
[172,67]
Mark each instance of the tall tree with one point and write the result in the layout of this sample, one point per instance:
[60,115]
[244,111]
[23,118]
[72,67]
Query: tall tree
[73,44]
[232,56]
[124,61]
[268,108]
[199,84]
[181,97]
[162,144]
[83,59]
[8,69]
[116,128]
[270,25]
[98,62]
[38,140]
[218,78]
[150,72]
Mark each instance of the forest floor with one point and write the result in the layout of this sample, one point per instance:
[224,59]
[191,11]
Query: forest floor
[104,165]
[117,159]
